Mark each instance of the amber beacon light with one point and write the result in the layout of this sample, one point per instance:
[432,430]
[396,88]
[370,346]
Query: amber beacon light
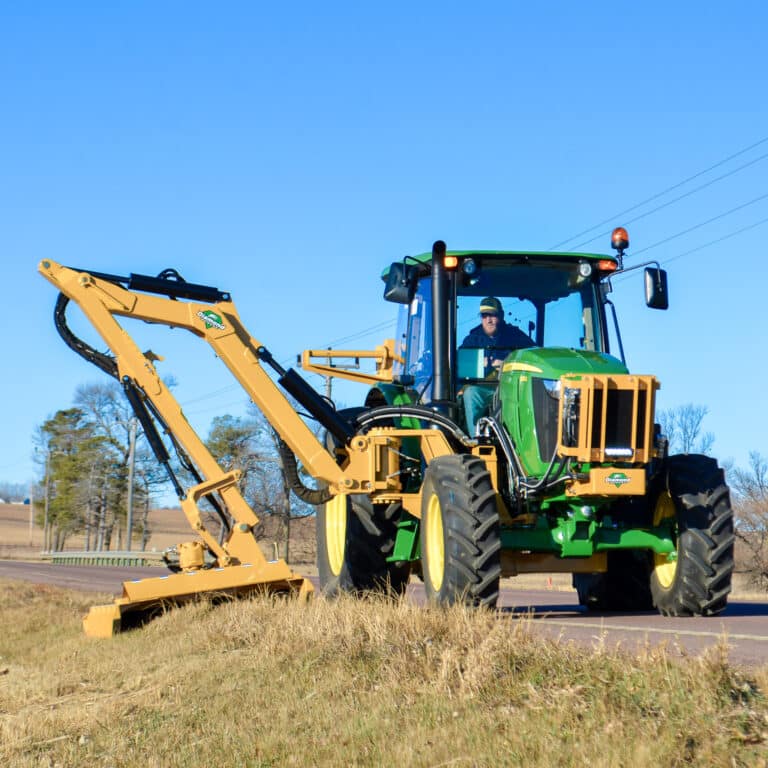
[620,239]
[620,242]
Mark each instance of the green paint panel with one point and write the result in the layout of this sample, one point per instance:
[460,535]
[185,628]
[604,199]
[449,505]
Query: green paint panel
[582,538]
[515,391]
[395,394]
[407,541]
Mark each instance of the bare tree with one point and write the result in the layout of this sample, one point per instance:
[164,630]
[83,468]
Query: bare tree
[286,506]
[250,445]
[13,492]
[750,489]
[682,426]
[234,443]
[111,416]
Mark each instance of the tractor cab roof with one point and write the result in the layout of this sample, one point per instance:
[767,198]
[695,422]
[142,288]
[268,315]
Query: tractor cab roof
[523,256]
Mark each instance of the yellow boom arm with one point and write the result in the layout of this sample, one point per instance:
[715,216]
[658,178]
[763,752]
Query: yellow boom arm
[101,301]
[368,463]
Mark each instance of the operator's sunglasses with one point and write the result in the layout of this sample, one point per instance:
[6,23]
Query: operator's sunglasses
[488,314]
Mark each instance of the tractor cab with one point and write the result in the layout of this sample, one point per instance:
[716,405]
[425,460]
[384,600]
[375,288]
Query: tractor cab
[541,299]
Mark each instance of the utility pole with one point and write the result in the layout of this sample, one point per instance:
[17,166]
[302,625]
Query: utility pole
[131,466]
[46,533]
[31,511]
[328,380]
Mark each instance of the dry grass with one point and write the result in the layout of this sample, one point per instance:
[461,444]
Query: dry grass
[267,682]
[15,538]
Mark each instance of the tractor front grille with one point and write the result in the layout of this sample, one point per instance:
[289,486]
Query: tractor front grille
[545,410]
[607,418]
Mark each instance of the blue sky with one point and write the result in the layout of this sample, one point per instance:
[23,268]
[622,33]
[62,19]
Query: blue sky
[287,152]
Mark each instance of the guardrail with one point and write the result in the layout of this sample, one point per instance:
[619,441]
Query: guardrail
[105,558]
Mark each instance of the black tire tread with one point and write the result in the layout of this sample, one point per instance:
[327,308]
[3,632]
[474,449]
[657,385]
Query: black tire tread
[623,587]
[471,529]
[370,540]
[365,567]
[705,539]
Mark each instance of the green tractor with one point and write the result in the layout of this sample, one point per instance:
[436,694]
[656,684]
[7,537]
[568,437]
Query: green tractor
[555,464]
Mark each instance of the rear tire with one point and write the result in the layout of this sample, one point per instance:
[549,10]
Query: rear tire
[355,538]
[699,581]
[623,587]
[460,540]
[351,555]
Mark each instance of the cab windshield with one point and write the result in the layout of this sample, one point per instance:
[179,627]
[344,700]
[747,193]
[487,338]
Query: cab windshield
[543,303]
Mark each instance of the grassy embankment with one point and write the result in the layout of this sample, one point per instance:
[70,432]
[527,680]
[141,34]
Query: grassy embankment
[274,683]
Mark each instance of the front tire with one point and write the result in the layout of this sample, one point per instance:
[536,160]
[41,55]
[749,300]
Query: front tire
[698,581]
[460,542]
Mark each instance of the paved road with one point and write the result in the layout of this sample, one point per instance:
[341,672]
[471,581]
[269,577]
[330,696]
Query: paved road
[554,613]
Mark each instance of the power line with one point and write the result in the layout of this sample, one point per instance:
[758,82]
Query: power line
[379,326]
[728,236]
[659,194]
[209,395]
[718,240]
[361,333]
[700,225]
[285,363]
[344,339]
[678,199]
[384,324]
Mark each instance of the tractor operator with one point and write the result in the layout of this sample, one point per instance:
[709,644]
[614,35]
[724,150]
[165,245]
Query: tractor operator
[497,338]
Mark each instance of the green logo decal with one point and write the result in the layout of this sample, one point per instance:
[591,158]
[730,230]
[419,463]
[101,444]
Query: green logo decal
[617,478]
[212,320]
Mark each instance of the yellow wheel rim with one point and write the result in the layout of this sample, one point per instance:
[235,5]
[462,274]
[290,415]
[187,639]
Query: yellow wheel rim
[663,567]
[336,532]
[434,545]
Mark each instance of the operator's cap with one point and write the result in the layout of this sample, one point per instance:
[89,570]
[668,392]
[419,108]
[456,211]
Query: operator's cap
[491,305]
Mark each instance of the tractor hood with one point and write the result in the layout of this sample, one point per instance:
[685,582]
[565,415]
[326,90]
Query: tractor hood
[553,362]
[530,405]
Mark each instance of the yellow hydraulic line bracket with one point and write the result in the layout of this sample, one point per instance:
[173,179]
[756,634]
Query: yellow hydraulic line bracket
[384,357]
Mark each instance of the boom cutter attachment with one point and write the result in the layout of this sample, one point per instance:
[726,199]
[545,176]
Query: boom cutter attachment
[143,598]
[236,565]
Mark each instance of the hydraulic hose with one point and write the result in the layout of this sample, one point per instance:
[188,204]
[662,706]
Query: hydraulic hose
[544,483]
[99,359]
[314,496]
[516,474]
[141,405]
[514,468]
[388,412]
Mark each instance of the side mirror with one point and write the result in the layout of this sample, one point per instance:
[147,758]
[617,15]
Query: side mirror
[656,296]
[401,283]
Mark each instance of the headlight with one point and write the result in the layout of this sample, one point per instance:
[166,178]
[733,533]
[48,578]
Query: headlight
[585,268]
[570,417]
[552,387]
